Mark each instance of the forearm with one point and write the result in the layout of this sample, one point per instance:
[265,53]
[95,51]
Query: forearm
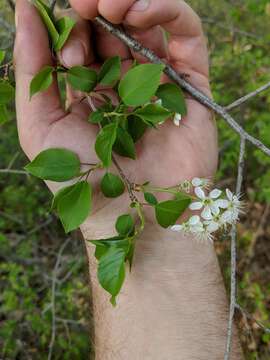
[173,305]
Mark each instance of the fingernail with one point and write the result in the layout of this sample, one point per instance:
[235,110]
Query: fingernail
[73,54]
[140,5]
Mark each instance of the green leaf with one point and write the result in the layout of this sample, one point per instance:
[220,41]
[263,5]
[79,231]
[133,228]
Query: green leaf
[55,165]
[64,27]
[150,198]
[153,114]
[130,254]
[7,92]
[112,186]
[4,116]
[124,225]
[111,271]
[110,71]
[96,117]
[58,195]
[140,83]
[74,205]
[136,127]
[103,245]
[81,78]
[172,98]
[124,144]
[2,55]
[42,80]
[48,20]
[168,212]
[104,143]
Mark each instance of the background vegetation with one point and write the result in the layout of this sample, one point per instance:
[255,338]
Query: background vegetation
[43,274]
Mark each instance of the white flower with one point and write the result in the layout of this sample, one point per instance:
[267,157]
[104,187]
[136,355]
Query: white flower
[208,203]
[193,225]
[213,223]
[205,236]
[158,102]
[184,227]
[233,209]
[199,182]
[177,118]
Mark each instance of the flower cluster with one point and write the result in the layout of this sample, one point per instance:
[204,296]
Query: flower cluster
[216,212]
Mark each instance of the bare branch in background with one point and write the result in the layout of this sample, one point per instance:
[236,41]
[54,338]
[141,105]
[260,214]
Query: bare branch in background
[240,177]
[14,172]
[232,29]
[247,97]
[54,282]
[251,318]
[11,4]
[7,26]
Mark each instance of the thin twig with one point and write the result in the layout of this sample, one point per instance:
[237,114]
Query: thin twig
[53,310]
[258,233]
[250,317]
[10,171]
[41,226]
[231,28]
[128,184]
[241,165]
[247,97]
[10,29]
[169,70]
[11,5]
[53,4]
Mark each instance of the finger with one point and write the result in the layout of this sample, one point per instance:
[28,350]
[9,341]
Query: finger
[87,9]
[78,49]
[106,45]
[187,46]
[153,39]
[31,54]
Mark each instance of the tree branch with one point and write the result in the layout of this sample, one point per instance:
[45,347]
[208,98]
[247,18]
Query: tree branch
[247,97]
[128,184]
[169,70]
[250,317]
[241,165]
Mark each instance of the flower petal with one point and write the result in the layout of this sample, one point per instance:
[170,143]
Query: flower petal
[196,206]
[214,208]
[222,203]
[196,182]
[177,228]
[199,193]
[213,226]
[194,220]
[229,194]
[177,118]
[227,217]
[206,213]
[214,194]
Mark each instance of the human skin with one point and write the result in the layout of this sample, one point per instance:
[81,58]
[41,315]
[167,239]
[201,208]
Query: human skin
[173,304]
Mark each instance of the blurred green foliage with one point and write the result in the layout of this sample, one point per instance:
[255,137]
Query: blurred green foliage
[31,239]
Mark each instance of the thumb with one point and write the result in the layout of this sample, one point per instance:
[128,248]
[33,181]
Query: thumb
[31,53]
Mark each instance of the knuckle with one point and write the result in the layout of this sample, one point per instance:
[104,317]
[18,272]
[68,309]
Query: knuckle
[115,13]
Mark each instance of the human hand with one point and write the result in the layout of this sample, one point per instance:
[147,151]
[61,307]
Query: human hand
[165,157]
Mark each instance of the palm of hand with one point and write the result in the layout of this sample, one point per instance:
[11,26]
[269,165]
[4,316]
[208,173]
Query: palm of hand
[164,157]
